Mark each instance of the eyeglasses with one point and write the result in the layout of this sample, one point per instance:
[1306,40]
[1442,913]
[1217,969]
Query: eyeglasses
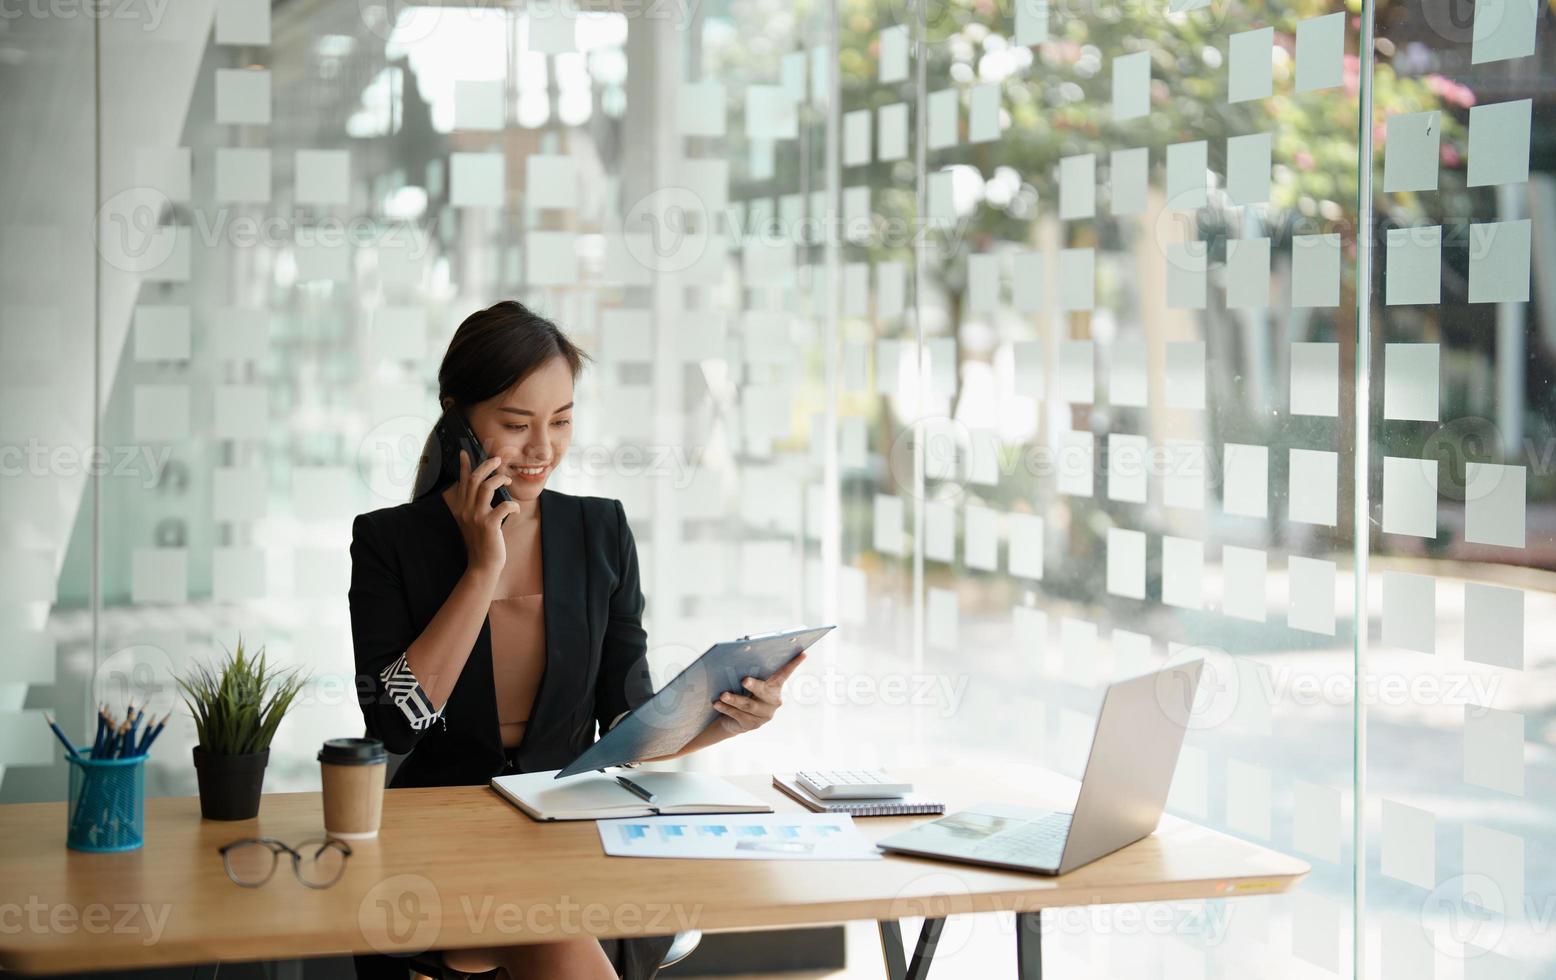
[318,862]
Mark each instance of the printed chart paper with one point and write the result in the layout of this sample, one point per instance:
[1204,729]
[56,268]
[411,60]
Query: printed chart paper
[759,836]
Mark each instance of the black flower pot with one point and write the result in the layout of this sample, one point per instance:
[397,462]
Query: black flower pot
[230,785]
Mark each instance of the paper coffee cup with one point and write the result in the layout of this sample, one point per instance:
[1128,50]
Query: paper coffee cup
[353,771]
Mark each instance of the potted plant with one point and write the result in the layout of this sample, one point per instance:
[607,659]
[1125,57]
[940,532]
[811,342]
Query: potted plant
[237,708]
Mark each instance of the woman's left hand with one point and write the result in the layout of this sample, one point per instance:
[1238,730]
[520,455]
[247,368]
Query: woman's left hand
[750,711]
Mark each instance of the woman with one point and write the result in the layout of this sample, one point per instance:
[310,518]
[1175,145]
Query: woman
[494,639]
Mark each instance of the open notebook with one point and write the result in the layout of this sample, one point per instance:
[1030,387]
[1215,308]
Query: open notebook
[597,795]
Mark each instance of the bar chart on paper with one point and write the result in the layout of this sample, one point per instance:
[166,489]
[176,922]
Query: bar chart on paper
[817,836]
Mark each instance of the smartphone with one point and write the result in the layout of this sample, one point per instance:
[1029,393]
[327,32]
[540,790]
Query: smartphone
[453,433]
[470,444]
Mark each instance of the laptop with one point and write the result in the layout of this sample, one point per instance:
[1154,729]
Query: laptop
[1134,751]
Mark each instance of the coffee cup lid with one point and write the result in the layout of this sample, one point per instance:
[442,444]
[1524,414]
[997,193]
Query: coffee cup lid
[353,751]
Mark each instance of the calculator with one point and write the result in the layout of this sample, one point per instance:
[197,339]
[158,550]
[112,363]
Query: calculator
[851,784]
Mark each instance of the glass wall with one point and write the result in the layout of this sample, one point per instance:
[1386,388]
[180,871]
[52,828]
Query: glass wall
[1461,806]
[1035,344]
[48,317]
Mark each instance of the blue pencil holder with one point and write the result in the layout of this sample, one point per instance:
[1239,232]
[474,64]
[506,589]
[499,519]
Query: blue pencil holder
[107,803]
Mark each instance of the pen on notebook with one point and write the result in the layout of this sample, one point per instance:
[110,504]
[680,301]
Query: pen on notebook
[60,735]
[636,789]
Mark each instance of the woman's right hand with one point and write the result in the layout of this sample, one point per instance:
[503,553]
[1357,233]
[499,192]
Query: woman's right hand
[479,522]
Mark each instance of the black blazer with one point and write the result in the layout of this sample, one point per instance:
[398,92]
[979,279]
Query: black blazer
[406,560]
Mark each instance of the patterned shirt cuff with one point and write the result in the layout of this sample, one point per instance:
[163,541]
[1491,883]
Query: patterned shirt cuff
[407,692]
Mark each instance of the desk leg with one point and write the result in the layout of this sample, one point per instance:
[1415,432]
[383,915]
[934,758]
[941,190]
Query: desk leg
[923,953]
[1029,945]
[891,949]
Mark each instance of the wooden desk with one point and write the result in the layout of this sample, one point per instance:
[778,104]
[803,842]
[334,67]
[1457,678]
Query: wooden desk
[461,867]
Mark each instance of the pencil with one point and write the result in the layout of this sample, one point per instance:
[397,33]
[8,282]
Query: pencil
[102,727]
[111,725]
[109,796]
[151,735]
[111,750]
[156,731]
[60,735]
[134,719]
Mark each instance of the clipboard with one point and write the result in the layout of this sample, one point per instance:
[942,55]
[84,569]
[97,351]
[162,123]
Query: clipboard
[684,706]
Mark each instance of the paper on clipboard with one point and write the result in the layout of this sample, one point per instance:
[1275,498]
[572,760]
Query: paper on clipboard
[684,706]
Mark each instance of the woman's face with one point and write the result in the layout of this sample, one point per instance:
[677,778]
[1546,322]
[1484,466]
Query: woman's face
[529,426]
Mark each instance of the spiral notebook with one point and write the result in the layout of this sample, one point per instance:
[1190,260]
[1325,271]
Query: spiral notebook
[895,806]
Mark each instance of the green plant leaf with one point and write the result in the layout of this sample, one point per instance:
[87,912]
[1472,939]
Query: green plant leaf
[238,707]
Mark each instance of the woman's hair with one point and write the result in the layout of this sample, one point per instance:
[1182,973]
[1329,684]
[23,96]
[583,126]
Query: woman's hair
[493,350]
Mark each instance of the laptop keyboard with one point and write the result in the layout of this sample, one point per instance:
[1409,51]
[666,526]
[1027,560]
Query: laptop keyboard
[1040,842]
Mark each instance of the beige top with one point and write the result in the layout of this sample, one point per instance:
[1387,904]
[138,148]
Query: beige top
[518,620]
